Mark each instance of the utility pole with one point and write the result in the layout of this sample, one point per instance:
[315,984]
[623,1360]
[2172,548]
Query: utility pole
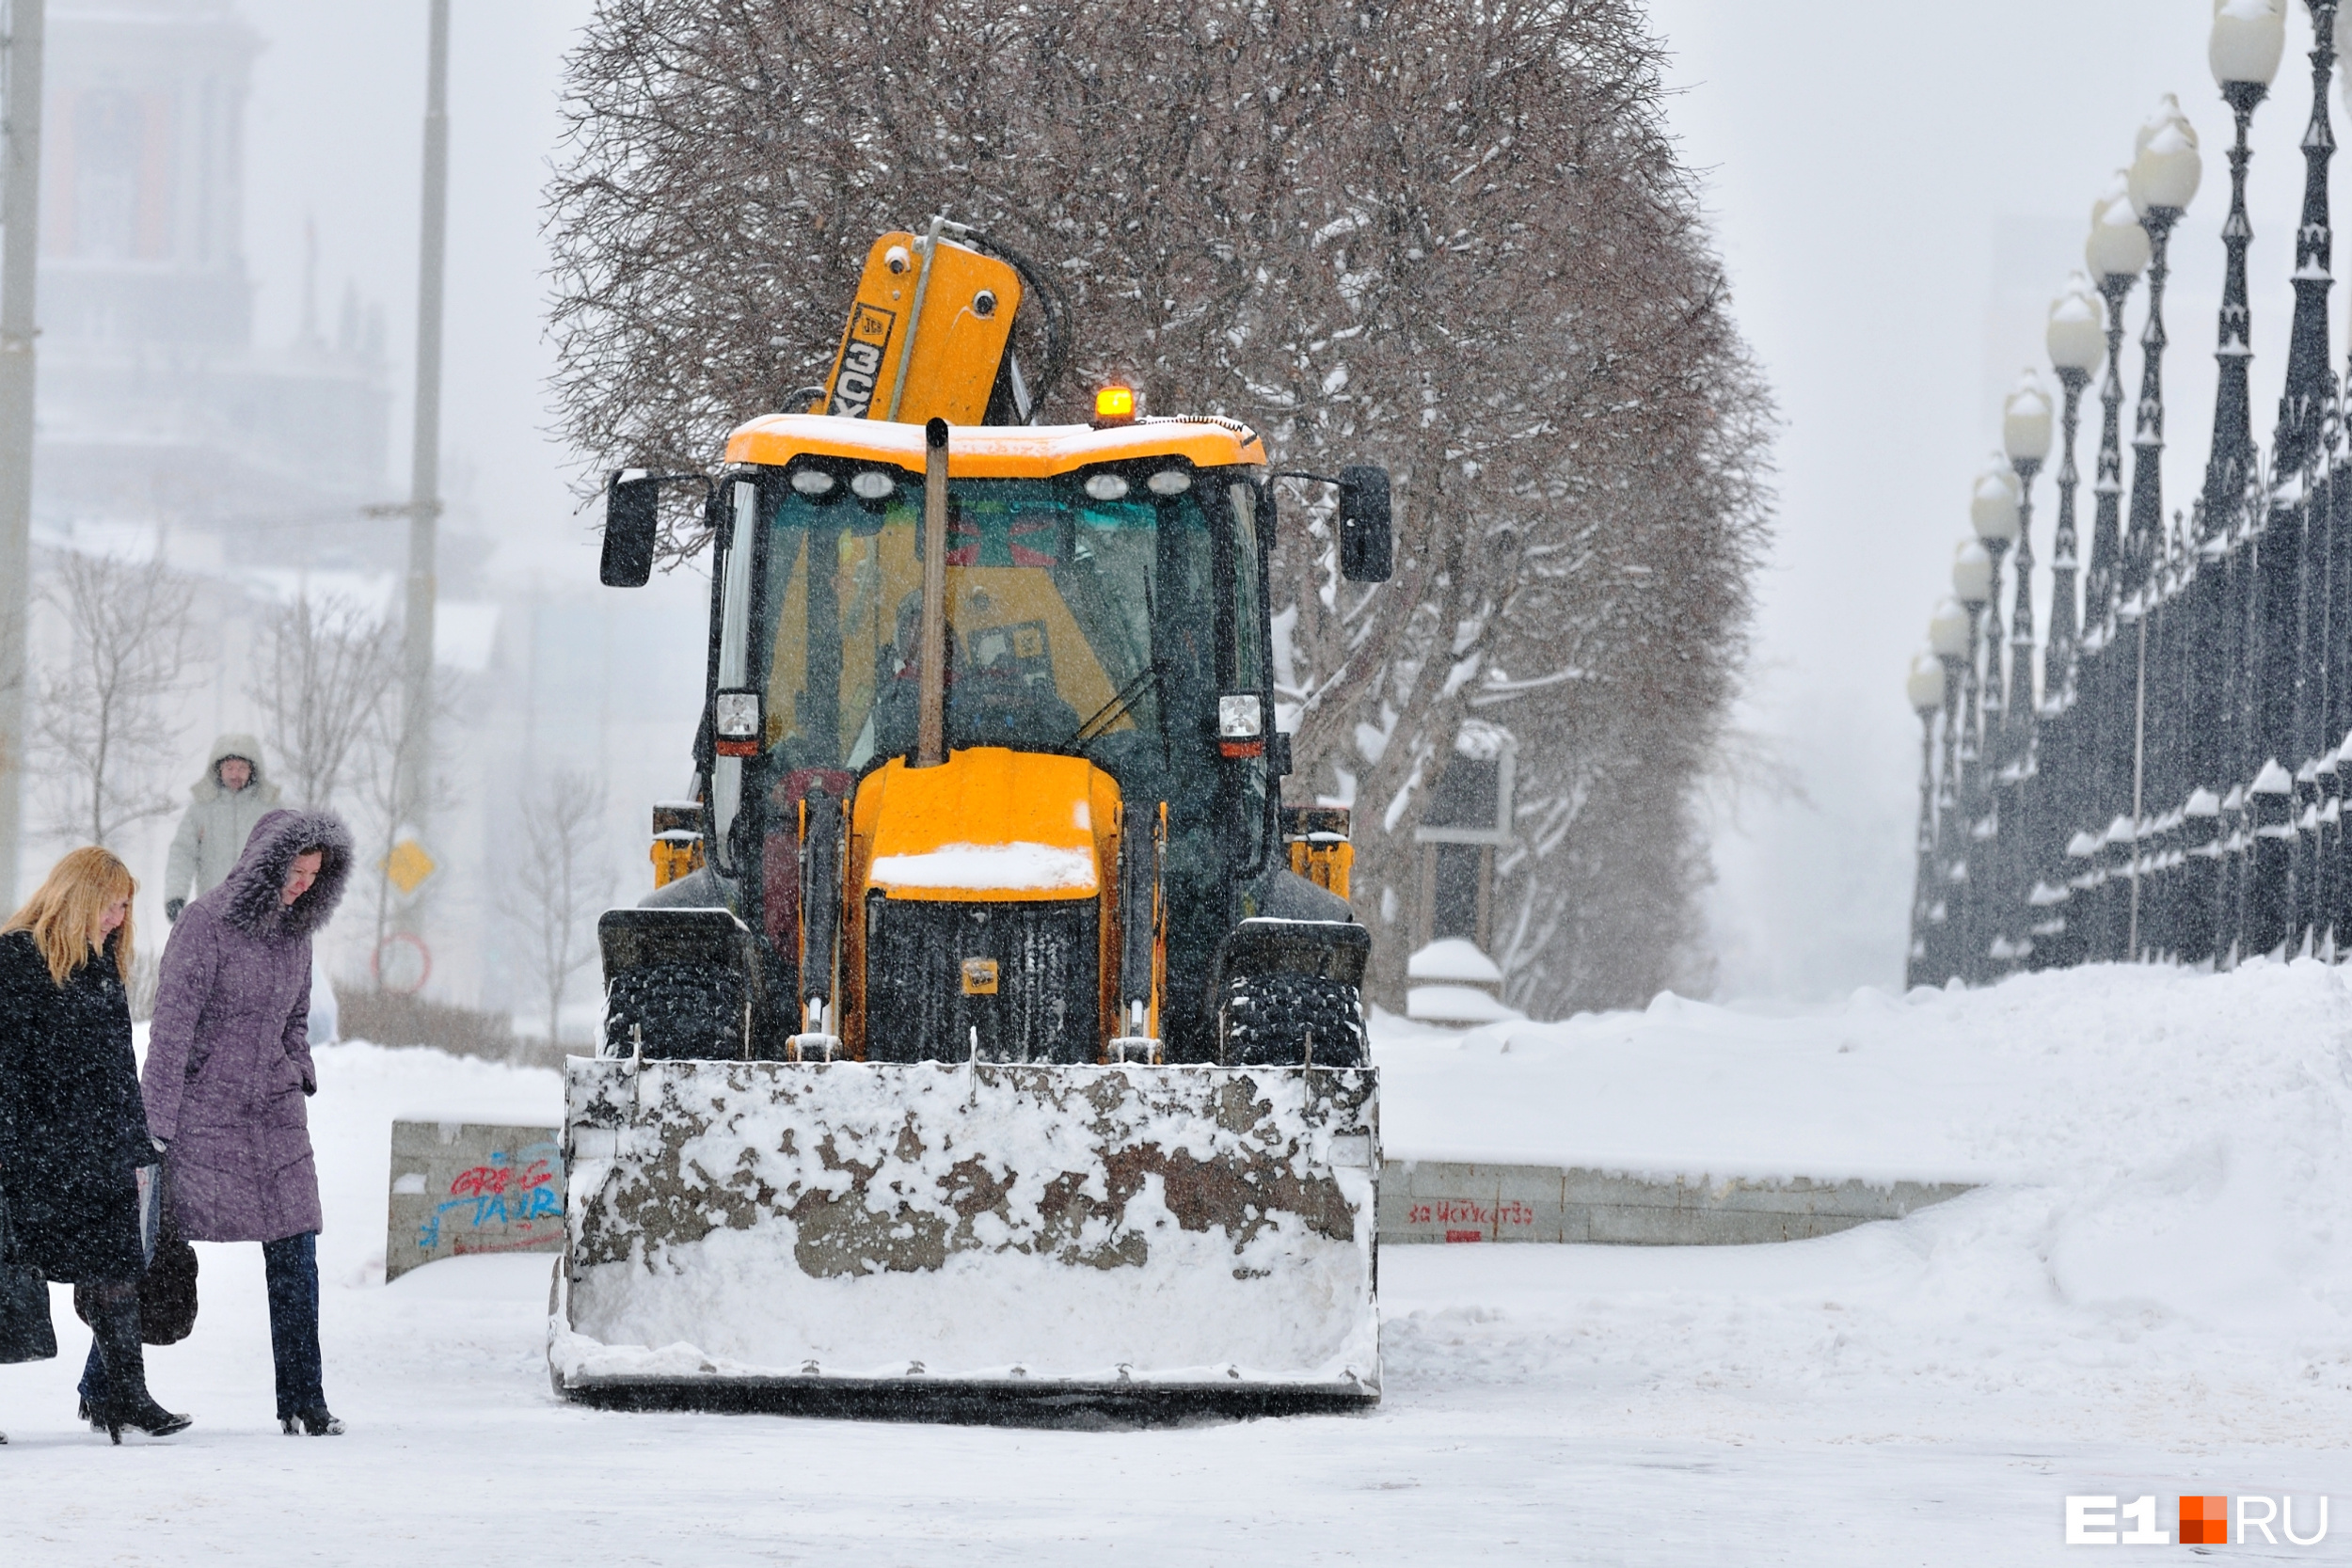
[414,783]
[20,217]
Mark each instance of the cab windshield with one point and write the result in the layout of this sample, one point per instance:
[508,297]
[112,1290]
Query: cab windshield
[1074,623]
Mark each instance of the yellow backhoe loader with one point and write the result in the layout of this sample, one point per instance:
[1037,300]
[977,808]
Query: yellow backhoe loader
[995,1032]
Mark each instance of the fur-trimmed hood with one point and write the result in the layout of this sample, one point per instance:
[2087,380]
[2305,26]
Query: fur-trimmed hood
[248,899]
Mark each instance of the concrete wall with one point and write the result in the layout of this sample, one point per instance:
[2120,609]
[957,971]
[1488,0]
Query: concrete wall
[1432,1200]
[463,1188]
[460,1188]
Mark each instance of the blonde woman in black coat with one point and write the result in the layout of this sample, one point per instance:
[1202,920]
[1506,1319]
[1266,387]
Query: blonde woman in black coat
[72,1126]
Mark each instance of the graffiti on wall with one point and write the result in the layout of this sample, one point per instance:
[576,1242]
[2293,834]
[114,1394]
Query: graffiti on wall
[510,1195]
[461,1188]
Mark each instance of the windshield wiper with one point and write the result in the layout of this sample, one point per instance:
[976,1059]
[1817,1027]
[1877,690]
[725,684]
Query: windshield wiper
[1093,729]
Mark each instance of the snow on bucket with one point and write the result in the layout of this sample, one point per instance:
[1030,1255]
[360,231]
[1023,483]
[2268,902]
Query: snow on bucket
[769,1223]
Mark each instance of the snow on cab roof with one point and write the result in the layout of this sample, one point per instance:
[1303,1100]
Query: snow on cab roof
[997,452]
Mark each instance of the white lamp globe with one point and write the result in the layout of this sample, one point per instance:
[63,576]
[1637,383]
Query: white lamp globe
[2078,334]
[2026,421]
[2166,167]
[1948,630]
[2117,246]
[1924,684]
[2248,37]
[1972,573]
[1993,507]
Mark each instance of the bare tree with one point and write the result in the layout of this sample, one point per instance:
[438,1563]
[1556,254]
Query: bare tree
[1454,239]
[374,765]
[105,725]
[559,882]
[324,669]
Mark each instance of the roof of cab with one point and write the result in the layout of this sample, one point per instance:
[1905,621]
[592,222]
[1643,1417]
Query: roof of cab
[995,451]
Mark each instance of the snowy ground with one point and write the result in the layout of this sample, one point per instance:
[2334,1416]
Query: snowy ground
[2153,1295]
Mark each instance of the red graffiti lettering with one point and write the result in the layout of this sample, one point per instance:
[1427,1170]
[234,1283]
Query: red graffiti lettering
[481,1182]
[1459,1214]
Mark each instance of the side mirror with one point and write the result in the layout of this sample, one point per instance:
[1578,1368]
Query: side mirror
[1367,552]
[632,517]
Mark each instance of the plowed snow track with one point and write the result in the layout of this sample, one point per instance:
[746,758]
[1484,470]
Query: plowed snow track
[2152,1296]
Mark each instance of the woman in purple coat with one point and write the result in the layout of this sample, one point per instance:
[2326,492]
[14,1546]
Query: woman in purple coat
[229,1067]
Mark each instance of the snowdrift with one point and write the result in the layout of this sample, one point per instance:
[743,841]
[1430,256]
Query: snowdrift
[2167,1197]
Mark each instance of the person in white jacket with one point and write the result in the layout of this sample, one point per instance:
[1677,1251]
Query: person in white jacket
[226,801]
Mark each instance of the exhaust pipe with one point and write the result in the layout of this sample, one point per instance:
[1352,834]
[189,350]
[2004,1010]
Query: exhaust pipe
[930,748]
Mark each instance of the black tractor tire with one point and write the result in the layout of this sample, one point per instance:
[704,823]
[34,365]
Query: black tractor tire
[690,1012]
[1270,1020]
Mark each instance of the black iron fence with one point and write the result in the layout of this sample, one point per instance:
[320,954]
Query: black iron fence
[2172,785]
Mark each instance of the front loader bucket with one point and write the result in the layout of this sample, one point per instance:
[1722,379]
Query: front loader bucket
[748,1229]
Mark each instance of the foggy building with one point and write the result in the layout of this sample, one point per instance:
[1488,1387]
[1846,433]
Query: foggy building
[157,408]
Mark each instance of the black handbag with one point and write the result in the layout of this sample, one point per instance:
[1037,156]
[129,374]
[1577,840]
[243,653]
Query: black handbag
[167,1289]
[25,1331]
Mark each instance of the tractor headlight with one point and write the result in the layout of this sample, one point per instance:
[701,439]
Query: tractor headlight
[872,485]
[1170,482]
[735,724]
[813,482]
[1241,725]
[1105,488]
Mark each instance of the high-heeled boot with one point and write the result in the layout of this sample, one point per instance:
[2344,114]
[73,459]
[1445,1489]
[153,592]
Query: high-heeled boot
[115,1323]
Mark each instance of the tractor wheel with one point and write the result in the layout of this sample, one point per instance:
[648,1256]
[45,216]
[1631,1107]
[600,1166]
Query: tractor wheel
[1275,1019]
[690,1012]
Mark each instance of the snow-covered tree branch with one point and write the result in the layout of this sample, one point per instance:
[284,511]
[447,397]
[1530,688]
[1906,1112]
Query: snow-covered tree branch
[1456,239]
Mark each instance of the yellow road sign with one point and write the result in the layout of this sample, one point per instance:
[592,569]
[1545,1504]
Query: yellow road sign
[408,865]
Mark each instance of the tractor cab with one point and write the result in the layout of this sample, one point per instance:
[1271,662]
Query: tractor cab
[1105,606]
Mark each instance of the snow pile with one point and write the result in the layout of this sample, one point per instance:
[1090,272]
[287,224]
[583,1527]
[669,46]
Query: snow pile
[1283,1307]
[1454,958]
[1454,983]
[877,1220]
[2167,1210]
[1024,866]
[1455,1005]
[2144,1299]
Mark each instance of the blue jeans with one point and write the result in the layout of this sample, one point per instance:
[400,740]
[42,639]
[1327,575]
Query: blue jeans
[291,1267]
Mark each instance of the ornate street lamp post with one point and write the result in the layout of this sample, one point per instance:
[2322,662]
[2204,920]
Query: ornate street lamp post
[2076,337]
[1949,633]
[2280,699]
[1923,684]
[2026,443]
[2247,39]
[2118,252]
[2162,180]
[1973,586]
[2336,652]
[2314,394]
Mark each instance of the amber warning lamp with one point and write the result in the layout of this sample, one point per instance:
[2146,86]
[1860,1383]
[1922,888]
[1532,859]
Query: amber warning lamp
[1114,405]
